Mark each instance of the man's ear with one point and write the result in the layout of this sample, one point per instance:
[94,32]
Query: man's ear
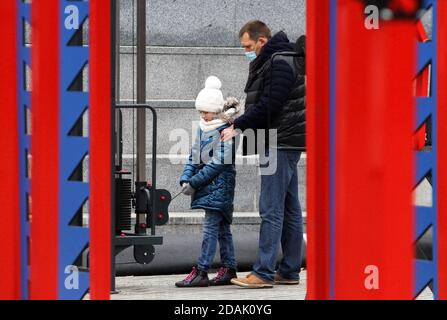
[263,41]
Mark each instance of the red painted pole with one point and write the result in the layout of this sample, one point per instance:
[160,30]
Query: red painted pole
[9,153]
[421,88]
[374,217]
[317,117]
[100,148]
[45,150]
[442,149]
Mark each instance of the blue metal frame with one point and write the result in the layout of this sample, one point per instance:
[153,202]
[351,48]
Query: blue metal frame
[24,105]
[73,194]
[332,113]
[426,162]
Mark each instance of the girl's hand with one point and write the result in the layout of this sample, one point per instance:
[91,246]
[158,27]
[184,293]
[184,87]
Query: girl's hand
[187,189]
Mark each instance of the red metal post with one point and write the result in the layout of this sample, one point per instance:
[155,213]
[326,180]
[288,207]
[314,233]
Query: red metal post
[100,148]
[442,149]
[317,114]
[422,89]
[9,153]
[45,150]
[374,218]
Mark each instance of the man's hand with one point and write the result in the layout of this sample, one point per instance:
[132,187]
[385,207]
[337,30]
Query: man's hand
[228,134]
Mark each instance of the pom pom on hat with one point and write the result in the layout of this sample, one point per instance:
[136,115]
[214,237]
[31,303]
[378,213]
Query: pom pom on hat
[210,99]
[213,83]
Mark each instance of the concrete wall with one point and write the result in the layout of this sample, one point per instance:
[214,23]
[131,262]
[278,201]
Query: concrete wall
[211,23]
[188,40]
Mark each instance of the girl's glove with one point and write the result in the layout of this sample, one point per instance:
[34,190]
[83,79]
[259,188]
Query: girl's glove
[187,189]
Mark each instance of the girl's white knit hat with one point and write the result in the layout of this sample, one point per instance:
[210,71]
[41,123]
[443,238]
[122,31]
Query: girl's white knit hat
[210,99]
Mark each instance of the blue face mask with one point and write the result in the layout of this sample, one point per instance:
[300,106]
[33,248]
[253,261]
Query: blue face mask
[251,55]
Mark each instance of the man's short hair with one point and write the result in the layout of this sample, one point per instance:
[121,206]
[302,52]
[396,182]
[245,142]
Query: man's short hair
[255,30]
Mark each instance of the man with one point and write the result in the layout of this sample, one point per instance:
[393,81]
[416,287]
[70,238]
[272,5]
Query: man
[275,100]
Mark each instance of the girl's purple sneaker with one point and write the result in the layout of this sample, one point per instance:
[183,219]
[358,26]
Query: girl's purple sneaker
[196,278]
[223,277]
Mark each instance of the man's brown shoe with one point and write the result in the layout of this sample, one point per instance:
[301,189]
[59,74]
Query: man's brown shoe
[281,280]
[252,282]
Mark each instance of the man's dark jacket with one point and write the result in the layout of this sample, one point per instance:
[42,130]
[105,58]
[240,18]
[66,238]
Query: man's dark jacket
[276,95]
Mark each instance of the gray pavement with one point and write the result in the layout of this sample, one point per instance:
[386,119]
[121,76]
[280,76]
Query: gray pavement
[162,288]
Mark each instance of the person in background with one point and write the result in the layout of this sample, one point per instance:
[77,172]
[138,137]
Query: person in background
[275,102]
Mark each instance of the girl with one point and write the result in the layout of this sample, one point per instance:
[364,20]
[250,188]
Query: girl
[209,178]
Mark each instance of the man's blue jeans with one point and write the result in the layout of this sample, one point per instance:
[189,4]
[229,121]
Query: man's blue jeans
[281,217]
[216,228]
